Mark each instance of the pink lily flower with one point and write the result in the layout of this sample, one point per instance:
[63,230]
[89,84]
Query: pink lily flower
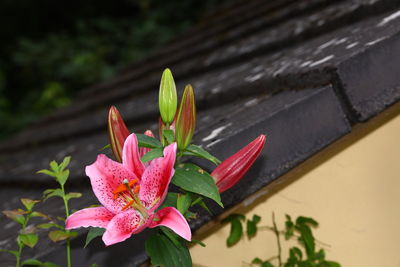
[231,170]
[130,193]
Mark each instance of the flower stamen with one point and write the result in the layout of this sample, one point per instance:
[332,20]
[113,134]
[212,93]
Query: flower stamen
[128,204]
[124,187]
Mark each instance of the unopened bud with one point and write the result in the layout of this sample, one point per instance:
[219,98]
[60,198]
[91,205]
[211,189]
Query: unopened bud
[167,99]
[231,170]
[117,132]
[186,119]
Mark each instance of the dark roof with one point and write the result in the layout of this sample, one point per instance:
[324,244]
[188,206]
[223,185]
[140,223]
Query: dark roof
[302,71]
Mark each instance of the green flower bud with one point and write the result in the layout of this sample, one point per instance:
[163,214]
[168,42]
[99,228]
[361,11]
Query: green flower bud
[167,98]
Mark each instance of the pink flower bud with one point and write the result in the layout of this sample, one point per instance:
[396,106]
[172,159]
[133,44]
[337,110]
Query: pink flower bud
[186,120]
[117,132]
[231,170]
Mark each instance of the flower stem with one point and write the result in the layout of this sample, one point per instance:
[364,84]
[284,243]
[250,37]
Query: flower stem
[68,244]
[20,244]
[18,256]
[276,231]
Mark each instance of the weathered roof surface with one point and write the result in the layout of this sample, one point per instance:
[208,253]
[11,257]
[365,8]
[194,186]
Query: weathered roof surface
[303,72]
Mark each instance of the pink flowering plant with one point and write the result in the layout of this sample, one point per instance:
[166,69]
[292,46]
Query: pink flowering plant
[132,188]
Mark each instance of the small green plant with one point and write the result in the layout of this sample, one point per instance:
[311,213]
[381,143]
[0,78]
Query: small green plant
[27,236]
[304,255]
[60,174]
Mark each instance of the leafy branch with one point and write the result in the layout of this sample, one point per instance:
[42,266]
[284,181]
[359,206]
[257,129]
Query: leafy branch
[301,229]
[60,174]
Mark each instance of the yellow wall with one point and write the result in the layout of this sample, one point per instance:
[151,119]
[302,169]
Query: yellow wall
[351,188]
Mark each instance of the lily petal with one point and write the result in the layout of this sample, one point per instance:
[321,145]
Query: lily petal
[173,219]
[122,226]
[131,157]
[105,176]
[94,217]
[156,178]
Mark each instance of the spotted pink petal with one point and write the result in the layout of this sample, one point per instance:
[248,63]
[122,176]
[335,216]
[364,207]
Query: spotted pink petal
[105,176]
[131,157]
[122,226]
[156,178]
[173,219]
[144,150]
[94,217]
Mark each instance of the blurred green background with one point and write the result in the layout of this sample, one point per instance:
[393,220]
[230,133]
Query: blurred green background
[52,49]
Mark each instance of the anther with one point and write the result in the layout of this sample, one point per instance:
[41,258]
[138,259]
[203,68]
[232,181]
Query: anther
[136,190]
[128,205]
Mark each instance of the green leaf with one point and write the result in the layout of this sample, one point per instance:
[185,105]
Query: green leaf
[105,147]
[256,218]
[305,264]
[183,202]
[29,203]
[59,235]
[320,255]
[307,239]
[152,154]
[47,172]
[236,231]
[62,177]
[169,136]
[200,152]
[163,252]
[54,166]
[306,220]
[257,260]
[296,252]
[32,262]
[49,225]
[16,215]
[93,232]
[13,252]
[267,264]
[329,264]
[29,239]
[190,215]
[52,193]
[39,214]
[193,179]
[147,141]
[234,216]
[93,265]
[171,235]
[251,229]
[64,163]
[289,227]
[170,200]
[198,242]
[199,201]
[73,195]
[204,206]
